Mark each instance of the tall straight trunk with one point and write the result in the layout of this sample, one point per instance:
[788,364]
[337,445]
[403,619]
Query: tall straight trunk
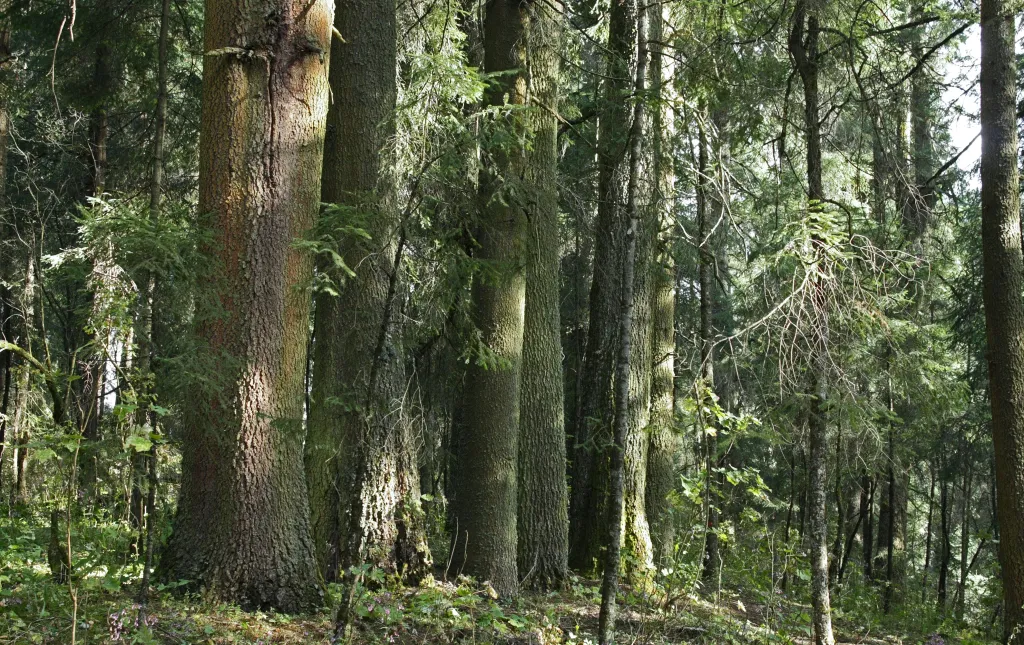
[1003,280]
[487,492]
[836,556]
[361,462]
[944,546]
[928,534]
[142,467]
[867,510]
[803,45]
[965,542]
[7,301]
[588,503]
[22,431]
[639,560]
[616,506]
[543,497]
[662,443]
[241,530]
[93,366]
[705,278]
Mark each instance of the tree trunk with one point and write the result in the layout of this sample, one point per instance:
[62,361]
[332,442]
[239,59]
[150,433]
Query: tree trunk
[965,542]
[487,492]
[867,511]
[928,534]
[944,552]
[22,431]
[610,580]
[543,520]
[662,442]
[143,466]
[361,462]
[242,524]
[805,52]
[588,503]
[709,430]
[1003,279]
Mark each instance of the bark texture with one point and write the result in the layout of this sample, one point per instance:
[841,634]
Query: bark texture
[485,523]
[242,526]
[360,459]
[803,45]
[1003,280]
[588,501]
[543,520]
[663,445]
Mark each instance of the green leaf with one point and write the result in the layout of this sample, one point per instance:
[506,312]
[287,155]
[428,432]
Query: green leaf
[43,455]
[138,443]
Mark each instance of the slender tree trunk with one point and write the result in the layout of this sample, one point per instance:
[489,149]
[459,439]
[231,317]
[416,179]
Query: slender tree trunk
[944,547]
[928,534]
[708,430]
[1003,278]
[7,302]
[543,520]
[965,542]
[144,467]
[803,44]
[242,524]
[22,431]
[867,488]
[610,581]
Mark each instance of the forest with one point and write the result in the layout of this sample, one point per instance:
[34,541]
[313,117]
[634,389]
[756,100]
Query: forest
[521,322]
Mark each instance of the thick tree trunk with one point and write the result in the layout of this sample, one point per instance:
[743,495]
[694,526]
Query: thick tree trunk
[1003,282]
[543,520]
[242,524]
[588,508]
[663,446]
[360,452]
[487,492]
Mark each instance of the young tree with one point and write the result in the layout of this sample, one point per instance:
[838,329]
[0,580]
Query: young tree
[1003,281]
[803,45]
[242,524]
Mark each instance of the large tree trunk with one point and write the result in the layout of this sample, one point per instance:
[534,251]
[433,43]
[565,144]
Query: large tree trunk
[588,508]
[663,446]
[1003,281]
[803,44]
[543,520]
[487,492]
[636,530]
[242,525]
[360,452]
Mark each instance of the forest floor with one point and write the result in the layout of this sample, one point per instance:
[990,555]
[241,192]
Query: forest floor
[436,612]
